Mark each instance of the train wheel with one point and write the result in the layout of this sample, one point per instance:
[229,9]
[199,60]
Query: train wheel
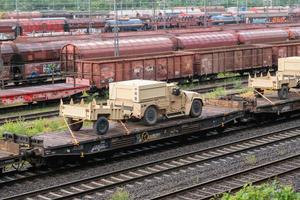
[150,116]
[74,124]
[101,126]
[196,108]
[283,93]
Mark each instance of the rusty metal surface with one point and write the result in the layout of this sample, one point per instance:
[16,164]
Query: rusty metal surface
[225,59]
[163,66]
[54,140]
[262,36]
[215,39]
[285,50]
[8,149]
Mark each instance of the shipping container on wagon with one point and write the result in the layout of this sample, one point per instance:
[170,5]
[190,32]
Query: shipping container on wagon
[163,66]
[204,40]
[262,36]
[231,59]
[95,49]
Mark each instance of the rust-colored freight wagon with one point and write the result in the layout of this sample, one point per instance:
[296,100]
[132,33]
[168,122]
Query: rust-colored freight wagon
[205,40]
[262,36]
[96,49]
[164,66]
[285,49]
[232,59]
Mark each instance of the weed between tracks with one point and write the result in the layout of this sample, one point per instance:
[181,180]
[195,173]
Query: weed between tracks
[120,194]
[264,191]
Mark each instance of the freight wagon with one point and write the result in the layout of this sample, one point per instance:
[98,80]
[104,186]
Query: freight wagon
[181,65]
[17,54]
[164,66]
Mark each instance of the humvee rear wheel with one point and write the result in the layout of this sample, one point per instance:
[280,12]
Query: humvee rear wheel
[150,116]
[196,108]
[283,92]
[75,125]
[101,126]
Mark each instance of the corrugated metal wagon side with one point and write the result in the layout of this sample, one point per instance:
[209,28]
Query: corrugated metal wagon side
[165,66]
[231,59]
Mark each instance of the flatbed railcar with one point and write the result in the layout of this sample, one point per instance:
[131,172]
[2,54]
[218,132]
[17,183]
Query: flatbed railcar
[216,114]
[43,93]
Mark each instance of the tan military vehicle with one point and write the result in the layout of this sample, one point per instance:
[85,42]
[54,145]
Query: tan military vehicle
[135,99]
[287,76]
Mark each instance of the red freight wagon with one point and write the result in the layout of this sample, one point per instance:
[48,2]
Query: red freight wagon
[30,72]
[286,49]
[232,59]
[165,66]
[262,36]
[204,40]
[95,49]
[42,26]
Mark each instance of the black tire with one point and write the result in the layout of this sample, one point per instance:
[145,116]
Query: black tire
[150,116]
[101,126]
[283,93]
[74,124]
[196,108]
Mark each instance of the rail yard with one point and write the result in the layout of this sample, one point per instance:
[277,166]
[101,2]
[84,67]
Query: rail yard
[149,100]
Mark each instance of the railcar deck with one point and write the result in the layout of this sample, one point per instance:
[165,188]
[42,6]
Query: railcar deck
[62,143]
[9,153]
[25,95]
[273,105]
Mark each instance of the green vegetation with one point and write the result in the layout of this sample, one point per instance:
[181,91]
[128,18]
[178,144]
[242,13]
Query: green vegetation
[35,127]
[120,194]
[227,74]
[216,93]
[251,159]
[273,191]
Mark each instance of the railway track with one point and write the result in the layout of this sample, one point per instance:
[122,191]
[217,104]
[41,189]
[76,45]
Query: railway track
[33,116]
[234,181]
[106,182]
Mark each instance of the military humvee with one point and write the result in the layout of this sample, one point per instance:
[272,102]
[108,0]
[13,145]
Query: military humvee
[145,100]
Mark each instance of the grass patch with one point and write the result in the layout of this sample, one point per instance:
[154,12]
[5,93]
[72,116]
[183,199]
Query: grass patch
[227,74]
[120,194]
[215,94]
[264,192]
[31,128]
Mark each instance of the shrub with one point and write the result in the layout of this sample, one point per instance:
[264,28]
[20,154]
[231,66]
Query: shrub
[264,192]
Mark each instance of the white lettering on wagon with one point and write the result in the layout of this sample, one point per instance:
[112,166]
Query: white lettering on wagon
[98,147]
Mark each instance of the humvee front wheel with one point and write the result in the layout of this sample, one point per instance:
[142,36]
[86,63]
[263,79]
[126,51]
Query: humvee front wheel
[74,125]
[196,108]
[283,92]
[150,116]
[101,126]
